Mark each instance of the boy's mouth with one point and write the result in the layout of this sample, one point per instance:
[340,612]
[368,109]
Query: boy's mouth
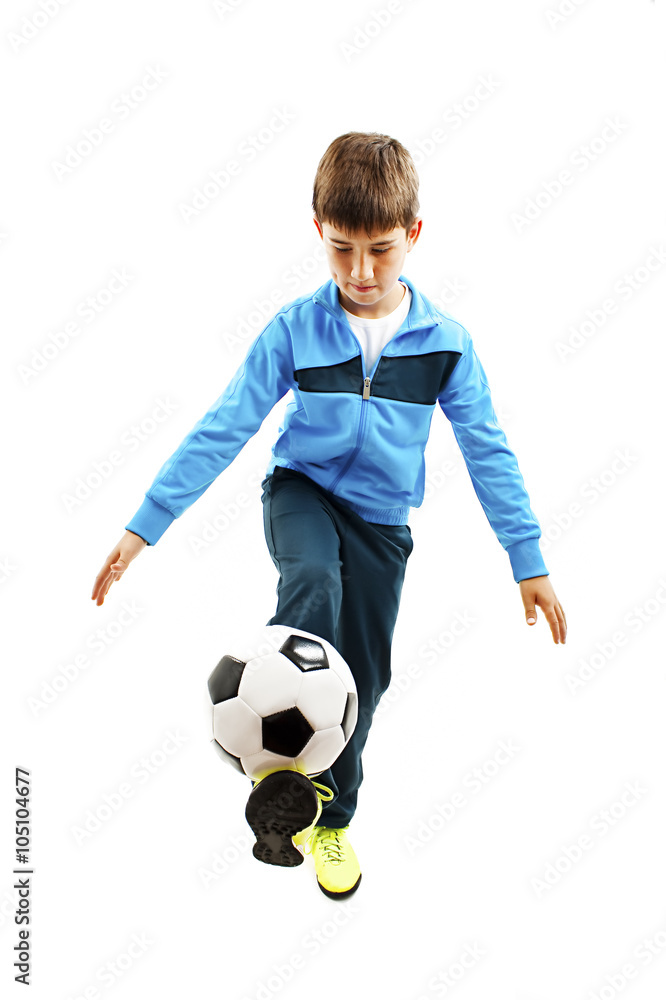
[363,288]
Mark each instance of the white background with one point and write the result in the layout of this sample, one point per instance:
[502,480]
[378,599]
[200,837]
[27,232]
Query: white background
[171,864]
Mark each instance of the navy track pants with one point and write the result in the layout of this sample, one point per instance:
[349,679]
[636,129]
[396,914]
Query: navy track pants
[340,578]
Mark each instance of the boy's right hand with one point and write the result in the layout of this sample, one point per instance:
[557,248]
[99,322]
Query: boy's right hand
[116,563]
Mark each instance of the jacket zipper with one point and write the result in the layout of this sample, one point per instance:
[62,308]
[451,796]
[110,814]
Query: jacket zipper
[359,438]
[365,395]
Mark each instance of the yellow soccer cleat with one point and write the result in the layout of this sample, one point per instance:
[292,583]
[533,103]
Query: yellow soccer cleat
[336,864]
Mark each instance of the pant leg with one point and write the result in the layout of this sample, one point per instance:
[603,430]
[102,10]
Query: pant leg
[340,578]
[303,540]
[374,557]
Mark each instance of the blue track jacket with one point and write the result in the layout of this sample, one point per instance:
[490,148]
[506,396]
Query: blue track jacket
[360,434]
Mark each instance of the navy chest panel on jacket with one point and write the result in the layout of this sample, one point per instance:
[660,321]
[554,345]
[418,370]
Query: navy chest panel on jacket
[415,378]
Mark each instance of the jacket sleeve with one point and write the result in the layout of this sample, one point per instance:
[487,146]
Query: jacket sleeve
[492,466]
[262,380]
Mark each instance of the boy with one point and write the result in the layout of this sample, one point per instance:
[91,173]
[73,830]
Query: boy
[367,358]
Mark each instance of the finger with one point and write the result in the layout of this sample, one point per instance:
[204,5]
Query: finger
[107,586]
[558,623]
[555,628]
[102,577]
[114,574]
[100,581]
[103,591]
[104,585]
[101,587]
[107,575]
[530,615]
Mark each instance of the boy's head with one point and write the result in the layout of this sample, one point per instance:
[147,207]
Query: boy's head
[365,203]
[366,181]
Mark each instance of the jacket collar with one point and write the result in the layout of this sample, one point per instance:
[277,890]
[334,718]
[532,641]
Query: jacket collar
[422,313]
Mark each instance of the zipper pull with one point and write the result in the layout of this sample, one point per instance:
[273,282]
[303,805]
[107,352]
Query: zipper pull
[366,388]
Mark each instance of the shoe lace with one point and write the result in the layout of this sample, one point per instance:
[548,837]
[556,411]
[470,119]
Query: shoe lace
[325,794]
[320,789]
[329,842]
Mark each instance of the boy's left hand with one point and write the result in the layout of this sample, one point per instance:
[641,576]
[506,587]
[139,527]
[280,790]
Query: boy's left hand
[539,590]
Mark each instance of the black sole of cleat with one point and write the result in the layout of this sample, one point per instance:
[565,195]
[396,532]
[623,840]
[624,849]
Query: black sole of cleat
[279,807]
[340,895]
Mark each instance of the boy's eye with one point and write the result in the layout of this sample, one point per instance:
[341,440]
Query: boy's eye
[374,250]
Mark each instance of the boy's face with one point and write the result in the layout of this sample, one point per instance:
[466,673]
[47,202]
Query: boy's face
[366,270]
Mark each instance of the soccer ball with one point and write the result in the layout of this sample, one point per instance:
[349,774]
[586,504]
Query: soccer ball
[287,700]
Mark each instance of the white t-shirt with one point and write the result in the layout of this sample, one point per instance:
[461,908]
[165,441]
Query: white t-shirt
[374,334]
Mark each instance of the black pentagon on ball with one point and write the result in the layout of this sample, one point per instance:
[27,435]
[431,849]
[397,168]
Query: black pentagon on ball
[307,654]
[286,733]
[228,757]
[224,681]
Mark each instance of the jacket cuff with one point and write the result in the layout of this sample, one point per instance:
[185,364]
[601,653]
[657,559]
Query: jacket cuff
[150,521]
[526,559]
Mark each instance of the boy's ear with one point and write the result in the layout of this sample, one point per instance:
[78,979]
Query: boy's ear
[415,231]
[319,229]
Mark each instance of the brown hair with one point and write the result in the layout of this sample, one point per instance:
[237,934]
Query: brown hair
[366,180]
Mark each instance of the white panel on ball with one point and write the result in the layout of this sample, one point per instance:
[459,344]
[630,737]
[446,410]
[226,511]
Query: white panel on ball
[322,750]
[322,699]
[236,727]
[270,684]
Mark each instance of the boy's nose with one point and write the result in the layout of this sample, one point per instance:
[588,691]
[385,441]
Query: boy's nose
[362,269]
